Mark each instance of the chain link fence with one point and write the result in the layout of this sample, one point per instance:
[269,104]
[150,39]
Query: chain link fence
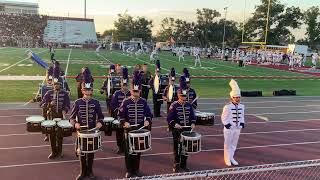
[298,170]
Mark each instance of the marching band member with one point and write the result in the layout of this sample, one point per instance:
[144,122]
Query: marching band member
[52,52]
[57,103]
[153,55]
[233,120]
[85,72]
[180,118]
[134,111]
[197,54]
[191,93]
[165,95]
[146,76]
[110,85]
[181,54]
[118,69]
[87,112]
[116,101]
[161,81]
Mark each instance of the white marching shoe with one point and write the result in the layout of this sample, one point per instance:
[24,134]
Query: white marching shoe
[228,162]
[234,162]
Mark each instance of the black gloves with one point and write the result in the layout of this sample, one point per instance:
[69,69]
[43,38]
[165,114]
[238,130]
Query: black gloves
[242,124]
[227,126]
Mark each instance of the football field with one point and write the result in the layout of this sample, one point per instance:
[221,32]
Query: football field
[211,79]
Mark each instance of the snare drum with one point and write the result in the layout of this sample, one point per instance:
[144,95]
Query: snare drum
[115,124]
[57,119]
[64,128]
[48,126]
[88,142]
[108,125]
[139,141]
[34,123]
[191,142]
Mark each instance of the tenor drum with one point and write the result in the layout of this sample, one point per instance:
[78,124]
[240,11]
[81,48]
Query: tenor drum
[88,142]
[48,126]
[204,118]
[57,119]
[64,128]
[139,141]
[191,142]
[34,123]
[108,125]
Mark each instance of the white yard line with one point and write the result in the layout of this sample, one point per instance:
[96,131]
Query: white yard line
[104,58]
[67,67]
[19,62]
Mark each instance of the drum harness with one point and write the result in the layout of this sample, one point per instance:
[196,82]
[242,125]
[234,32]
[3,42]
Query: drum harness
[182,151]
[77,139]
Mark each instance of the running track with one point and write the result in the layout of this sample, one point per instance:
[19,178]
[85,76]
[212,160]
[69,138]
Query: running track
[291,133]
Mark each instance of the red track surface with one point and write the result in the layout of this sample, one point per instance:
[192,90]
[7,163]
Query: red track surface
[24,155]
[286,68]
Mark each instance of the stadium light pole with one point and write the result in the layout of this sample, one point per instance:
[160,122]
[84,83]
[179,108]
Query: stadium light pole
[224,27]
[85,9]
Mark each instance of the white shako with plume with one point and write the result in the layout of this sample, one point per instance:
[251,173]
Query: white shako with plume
[235,90]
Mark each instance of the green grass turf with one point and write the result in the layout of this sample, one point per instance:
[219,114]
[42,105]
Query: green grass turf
[22,91]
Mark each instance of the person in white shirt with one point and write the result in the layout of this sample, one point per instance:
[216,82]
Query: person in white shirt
[197,57]
[181,54]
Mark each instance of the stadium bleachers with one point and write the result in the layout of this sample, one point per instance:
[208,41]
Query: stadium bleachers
[22,30]
[37,30]
[54,31]
[70,32]
[79,32]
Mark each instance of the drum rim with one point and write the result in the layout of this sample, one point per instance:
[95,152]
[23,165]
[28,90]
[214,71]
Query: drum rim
[91,135]
[36,120]
[209,114]
[198,136]
[116,122]
[108,118]
[130,134]
[69,125]
[52,123]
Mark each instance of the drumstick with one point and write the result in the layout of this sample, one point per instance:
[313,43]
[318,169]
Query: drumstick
[195,99]
[141,128]
[93,129]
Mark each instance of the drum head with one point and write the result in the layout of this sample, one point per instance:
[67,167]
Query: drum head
[209,114]
[64,124]
[89,134]
[190,134]
[57,119]
[139,131]
[116,122]
[108,119]
[48,123]
[35,119]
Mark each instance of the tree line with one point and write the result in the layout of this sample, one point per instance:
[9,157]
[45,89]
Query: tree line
[208,28]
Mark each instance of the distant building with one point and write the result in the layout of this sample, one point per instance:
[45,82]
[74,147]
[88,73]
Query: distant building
[14,7]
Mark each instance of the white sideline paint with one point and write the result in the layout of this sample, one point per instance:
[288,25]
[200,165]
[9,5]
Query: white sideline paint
[164,138]
[21,78]
[155,154]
